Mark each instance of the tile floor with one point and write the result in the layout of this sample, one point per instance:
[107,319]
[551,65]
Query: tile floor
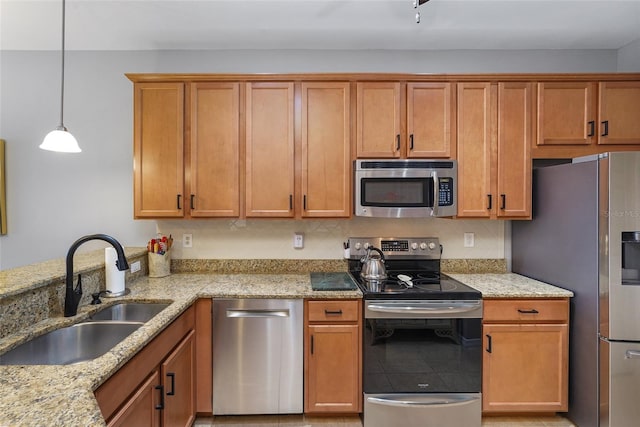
[305,421]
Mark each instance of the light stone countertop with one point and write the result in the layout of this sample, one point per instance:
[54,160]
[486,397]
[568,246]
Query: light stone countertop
[63,395]
[510,285]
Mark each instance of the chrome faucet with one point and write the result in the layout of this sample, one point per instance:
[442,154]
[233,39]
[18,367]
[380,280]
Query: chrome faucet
[72,296]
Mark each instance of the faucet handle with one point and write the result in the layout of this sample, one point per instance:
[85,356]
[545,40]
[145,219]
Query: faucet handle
[96,297]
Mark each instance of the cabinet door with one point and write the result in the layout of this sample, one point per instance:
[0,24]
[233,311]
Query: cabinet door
[326,150]
[158,150]
[525,368]
[178,377]
[566,113]
[619,113]
[515,114]
[269,150]
[144,406]
[378,120]
[474,130]
[430,113]
[333,381]
[214,150]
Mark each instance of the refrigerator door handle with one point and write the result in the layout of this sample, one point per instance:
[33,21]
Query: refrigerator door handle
[632,354]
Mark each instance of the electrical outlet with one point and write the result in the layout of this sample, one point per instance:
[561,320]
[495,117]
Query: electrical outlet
[298,241]
[469,240]
[135,266]
[187,240]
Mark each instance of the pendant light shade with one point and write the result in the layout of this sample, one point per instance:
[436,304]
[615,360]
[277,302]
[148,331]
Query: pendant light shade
[61,139]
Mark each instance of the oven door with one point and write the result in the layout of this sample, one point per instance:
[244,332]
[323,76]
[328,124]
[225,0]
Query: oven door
[422,360]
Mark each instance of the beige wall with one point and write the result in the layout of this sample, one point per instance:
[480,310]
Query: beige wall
[273,239]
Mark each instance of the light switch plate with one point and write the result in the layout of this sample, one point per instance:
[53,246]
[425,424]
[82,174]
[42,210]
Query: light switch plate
[469,240]
[135,266]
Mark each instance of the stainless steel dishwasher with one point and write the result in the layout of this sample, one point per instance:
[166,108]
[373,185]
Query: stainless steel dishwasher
[257,356]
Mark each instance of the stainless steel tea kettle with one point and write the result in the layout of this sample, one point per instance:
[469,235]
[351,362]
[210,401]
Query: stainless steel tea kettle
[373,267]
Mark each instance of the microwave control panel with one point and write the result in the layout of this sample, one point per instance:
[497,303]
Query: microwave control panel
[445,191]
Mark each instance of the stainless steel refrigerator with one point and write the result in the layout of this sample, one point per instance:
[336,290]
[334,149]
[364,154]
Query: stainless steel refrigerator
[585,237]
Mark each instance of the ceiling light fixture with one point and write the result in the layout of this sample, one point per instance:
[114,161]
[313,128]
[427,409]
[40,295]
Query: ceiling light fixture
[417,3]
[60,139]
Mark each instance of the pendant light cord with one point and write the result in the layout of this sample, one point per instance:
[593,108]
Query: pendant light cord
[62,72]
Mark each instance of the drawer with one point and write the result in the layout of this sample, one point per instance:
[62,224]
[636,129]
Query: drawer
[333,311]
[526,310]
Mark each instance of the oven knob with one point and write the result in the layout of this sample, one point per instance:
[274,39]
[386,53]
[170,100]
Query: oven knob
[358,246]
[432,245]
[414,246]
[423,246]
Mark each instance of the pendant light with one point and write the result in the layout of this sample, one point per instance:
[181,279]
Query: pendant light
[60,139]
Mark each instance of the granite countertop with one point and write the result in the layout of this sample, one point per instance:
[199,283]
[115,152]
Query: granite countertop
[63,395]
[510,285]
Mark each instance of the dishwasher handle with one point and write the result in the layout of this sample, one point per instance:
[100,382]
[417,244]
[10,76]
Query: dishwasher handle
[261,313]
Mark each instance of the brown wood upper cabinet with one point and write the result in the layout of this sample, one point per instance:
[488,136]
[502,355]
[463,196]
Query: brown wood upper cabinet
[566,113]
[209,158]
[391,124]
[214,150]
[269,189]
[618,112]
[326,149]
[158,150]
[494,135]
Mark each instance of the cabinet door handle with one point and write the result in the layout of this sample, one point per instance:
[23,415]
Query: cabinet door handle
[333,312]
[178,198]
[311,344]
[192,201]
[411,142]
[605,126]
[503,201]
[490,202]
[290,201]
[172,376]
[488,349]
[398,142]
[530,311]
[592,128]
[304,202]
[161,405]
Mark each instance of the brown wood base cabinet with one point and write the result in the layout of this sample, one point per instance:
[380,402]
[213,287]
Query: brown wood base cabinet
[525,357]
[157,386]
[332,365]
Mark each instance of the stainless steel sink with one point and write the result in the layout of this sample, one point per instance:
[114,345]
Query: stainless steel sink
[72,344]
[129,311]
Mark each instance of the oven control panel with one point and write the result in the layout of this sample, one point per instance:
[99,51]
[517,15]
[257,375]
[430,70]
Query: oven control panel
[396,247]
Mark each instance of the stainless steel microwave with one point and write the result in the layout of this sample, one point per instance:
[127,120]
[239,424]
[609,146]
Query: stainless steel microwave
[405,188]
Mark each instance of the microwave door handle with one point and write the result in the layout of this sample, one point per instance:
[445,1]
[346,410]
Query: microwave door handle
[436,194]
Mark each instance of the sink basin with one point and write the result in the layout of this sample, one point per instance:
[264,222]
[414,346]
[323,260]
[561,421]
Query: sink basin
[72,344]
[129,311]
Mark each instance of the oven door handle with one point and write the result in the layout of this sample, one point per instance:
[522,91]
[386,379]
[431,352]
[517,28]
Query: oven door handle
[425,308]
[422,400]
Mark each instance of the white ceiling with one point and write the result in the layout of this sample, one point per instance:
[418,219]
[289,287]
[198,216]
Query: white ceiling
[319,24]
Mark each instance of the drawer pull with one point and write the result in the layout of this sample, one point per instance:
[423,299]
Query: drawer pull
[333,312]
[532,311]
[488,349]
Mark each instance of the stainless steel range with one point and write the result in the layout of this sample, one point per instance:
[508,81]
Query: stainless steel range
[422,355]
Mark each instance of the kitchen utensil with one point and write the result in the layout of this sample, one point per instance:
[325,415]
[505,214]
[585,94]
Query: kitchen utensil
[373,267]
[406,280]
